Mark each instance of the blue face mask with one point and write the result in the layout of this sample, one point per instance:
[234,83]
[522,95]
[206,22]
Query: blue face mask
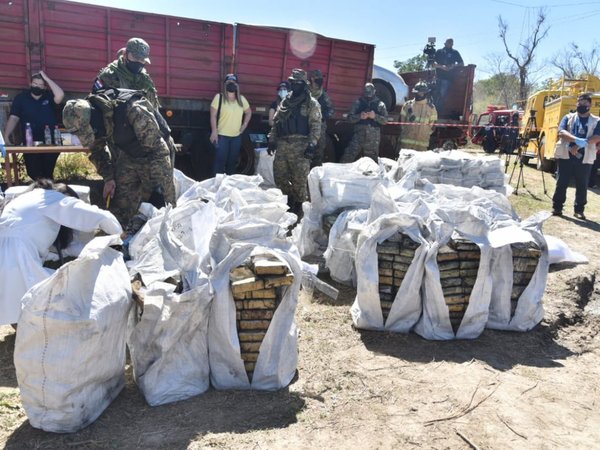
[282,93]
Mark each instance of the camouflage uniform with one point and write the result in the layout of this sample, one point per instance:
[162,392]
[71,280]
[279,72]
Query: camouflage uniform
[327,112]
[117,75]
[297,123]
[137,169]
[367,133]
[423,114]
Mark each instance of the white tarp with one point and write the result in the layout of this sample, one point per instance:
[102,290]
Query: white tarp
[278,357]
[168,345]
[406,306]
[70,347]
[530,309]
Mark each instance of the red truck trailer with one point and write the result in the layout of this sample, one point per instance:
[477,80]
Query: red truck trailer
[72,41]
[452,126]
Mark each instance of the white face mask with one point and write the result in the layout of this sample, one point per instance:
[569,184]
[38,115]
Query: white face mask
[282,93]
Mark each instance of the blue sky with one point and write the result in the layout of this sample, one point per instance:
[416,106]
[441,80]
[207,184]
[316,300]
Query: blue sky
[400,29]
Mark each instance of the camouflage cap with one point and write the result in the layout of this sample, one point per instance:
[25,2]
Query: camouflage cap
[369,90]
[139,49]
[298,75]
[284,85]
[76,119]
[316,74]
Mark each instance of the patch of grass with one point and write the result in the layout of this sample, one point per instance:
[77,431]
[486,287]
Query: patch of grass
[72,166]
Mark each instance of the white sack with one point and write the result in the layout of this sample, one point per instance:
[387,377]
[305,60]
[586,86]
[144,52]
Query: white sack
[168,346]
[70,348]
[530,309]
[559,252]
[278,357]
[264,168]
[406,307]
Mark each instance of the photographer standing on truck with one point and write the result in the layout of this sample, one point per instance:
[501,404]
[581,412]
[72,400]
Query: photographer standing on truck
[36,106]
[575,153]
[138,162]
[445,62]
[296,130]
[368,113]
[417,117]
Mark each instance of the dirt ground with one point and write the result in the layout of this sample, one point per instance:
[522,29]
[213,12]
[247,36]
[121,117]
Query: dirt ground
[358,389]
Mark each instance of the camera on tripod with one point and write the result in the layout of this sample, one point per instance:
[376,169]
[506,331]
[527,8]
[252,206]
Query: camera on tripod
[429,51]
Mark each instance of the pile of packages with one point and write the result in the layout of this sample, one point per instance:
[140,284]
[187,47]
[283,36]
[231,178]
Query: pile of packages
[216,283]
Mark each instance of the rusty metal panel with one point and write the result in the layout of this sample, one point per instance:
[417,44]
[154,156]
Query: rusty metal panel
[13,70]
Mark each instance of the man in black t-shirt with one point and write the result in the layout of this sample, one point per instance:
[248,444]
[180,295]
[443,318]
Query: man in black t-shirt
[36,106]
[446,61]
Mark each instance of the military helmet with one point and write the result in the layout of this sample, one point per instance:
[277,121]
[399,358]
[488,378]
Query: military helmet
[369,90]
[76,119]
[421,88]
[139,48]
[298,75]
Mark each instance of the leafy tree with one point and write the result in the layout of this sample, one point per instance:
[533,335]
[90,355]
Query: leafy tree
[414,64]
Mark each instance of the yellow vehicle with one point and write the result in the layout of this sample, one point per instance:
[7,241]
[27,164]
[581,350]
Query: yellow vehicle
[544,111]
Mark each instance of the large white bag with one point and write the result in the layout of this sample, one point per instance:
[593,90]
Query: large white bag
[168,345]
[278,355]
[70,348]
[406,307]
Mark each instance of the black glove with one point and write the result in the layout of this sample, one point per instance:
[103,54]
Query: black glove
[271,147]
[310,151]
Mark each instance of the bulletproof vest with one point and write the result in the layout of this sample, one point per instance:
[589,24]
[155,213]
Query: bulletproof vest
[294,124]
[366,106]
[114,104]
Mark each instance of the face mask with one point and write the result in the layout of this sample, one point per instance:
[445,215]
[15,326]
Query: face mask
[36,90]
[297,88]
[583,109]
[230,87]
[282,93]
[134,66]
[318,82]
[419,97]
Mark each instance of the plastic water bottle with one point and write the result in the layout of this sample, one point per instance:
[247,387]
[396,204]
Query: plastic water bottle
[57,136]
[47,135]
[28,135]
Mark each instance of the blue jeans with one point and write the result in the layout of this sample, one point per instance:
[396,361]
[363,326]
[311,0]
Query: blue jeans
[568,168]
[228,153]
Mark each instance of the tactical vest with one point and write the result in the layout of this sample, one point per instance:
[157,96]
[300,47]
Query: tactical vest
[114,104]
[295,124]
[366,106]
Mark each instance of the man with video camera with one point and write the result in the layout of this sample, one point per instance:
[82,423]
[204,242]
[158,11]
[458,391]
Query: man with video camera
[446,61]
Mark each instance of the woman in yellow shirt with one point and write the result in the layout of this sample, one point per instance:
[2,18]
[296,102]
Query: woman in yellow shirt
[229,116]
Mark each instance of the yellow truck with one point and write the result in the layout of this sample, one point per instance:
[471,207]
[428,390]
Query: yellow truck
[544,111]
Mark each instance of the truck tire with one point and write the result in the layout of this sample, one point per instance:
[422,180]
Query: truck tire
[544,164]
[247,155]
[449,144]
[385,94]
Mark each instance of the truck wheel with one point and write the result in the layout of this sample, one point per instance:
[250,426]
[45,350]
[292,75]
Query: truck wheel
[246,162]
[449,145]
[385,94]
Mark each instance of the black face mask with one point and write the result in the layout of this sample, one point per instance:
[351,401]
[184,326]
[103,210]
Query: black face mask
[134,66]
[420,97]
[583,109]
[297,89]
[230,87]
[36,90]
[317,82]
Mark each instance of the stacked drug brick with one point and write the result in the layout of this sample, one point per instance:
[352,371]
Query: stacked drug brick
[257,291]
[329,221]
[394,256]
[458,262]
[526,257]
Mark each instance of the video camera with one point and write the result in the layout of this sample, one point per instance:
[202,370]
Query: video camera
[429,51]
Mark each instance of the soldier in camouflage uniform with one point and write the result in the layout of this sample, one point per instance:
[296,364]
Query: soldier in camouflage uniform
[296,130]
[128,72]
[320,94]
[128,142]
[420,112]
[368,113]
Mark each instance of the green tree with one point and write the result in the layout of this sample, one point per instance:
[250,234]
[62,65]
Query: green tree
[414,64]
